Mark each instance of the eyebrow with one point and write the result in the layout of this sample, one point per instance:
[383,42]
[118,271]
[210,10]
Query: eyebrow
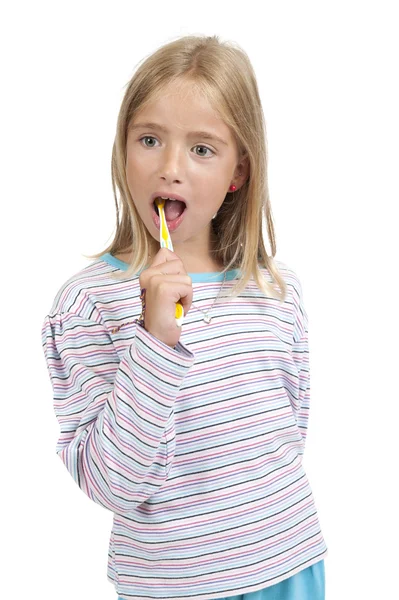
[202,134]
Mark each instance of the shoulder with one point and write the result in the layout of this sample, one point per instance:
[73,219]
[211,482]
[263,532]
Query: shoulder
[300,315]
[294,299]
[290,277]
[93,286]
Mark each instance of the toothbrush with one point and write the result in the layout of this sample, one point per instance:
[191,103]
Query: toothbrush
[166,242]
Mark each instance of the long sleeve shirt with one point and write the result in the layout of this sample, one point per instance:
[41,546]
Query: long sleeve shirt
[196,450]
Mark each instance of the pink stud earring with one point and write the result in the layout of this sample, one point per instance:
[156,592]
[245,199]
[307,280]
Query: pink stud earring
[232,188]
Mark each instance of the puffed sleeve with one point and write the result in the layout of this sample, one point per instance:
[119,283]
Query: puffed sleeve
[116,416]
[300,352]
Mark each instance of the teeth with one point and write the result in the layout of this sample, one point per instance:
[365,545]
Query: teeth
[165,198]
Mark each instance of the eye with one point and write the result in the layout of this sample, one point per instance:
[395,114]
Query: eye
[202,155]
[147,137]
[205,148]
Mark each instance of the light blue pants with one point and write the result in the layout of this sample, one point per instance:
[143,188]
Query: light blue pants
[308,584]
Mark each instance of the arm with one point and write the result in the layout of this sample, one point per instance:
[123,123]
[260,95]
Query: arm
[116,416]
[300,353]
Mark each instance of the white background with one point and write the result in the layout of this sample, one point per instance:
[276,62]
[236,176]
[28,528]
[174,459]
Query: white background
[328,77]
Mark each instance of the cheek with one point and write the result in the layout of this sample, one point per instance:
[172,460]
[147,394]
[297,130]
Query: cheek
[129,167]
[131,164]
[135,161]
[134,173]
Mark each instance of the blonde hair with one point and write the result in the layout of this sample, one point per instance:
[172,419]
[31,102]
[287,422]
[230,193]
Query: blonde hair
[223,73]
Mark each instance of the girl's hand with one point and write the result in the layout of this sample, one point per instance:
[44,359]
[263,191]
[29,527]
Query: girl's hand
[166,282]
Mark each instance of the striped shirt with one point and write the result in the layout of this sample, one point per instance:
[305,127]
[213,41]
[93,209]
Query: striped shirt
[197,450]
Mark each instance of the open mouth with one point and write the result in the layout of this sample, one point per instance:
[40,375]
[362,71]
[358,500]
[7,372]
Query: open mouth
[173,209]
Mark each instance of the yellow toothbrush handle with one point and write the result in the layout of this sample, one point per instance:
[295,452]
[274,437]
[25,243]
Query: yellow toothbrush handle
[166,242]
[179,314]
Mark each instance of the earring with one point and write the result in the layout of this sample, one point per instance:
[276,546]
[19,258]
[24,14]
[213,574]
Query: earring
[214,216]
[232,188]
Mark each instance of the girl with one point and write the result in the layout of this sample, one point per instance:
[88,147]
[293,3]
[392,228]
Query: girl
[192,436]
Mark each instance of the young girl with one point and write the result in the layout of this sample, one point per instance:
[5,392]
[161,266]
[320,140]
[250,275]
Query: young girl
[191,435]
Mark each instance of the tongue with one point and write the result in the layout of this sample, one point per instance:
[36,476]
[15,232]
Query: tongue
[173,209]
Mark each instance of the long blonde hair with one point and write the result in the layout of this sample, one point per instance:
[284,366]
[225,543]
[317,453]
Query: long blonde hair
[223,73]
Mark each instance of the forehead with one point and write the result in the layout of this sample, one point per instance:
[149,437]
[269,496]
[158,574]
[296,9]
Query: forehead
[182,106]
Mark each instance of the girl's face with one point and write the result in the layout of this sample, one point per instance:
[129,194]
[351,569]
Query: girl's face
[167,153]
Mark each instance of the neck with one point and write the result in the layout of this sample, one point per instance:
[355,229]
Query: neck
[199,257]
[198,265]
[194,260]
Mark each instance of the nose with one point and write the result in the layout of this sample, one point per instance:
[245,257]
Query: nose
[171,168]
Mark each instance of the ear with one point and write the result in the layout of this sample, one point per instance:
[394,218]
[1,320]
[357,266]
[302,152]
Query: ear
[242,172]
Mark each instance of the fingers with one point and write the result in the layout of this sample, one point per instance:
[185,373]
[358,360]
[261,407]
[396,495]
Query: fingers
[174,287]
[166,282]
[165,262]
[164,255]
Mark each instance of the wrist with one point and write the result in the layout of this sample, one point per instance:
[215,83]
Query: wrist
[140,320]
